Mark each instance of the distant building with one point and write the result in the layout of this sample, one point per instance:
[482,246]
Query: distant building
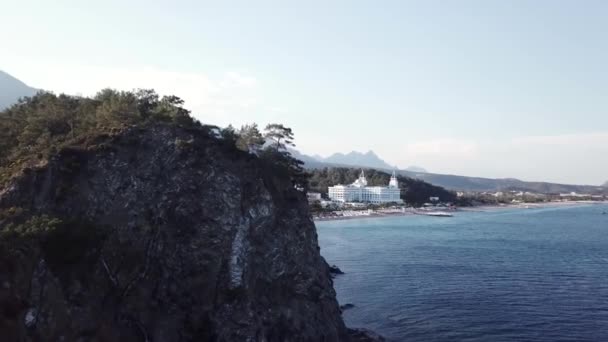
[313,196]
[330,204]
[434,199]
[574,194]
[360,192]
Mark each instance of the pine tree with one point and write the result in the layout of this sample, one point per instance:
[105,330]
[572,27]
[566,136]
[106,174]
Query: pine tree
[280,135]
[250,139]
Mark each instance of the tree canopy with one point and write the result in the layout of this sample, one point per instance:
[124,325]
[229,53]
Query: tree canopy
[249,138]
[41,123]
[279,135]
[38,126]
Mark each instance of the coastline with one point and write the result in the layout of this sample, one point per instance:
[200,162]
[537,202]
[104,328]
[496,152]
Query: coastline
[481,208]
[531,205]
[371,215]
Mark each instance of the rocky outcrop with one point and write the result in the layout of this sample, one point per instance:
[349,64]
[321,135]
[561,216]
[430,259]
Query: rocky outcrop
[164,234]
[335,270]
[347,306]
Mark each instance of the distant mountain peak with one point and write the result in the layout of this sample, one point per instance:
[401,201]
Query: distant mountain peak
[414,168]
[12,89]
[355,158]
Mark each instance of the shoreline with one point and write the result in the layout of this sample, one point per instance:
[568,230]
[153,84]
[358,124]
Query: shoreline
[481,208]
[372,215]
[532,205]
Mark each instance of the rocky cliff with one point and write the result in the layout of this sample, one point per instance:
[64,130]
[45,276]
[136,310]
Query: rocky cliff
[161,234]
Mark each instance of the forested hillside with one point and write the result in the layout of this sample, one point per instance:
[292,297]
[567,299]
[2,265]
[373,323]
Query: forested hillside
[413,191]
[37,127]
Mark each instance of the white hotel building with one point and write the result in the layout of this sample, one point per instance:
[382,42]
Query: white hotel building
[360,192]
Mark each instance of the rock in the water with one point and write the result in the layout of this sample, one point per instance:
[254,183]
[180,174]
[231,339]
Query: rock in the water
[347,306]
[333,269]
[162,234]
[364,335]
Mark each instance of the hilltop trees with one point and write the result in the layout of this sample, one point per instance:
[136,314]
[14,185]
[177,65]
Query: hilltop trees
[38,126]
[126,107]
[249,138]
[46,119]
[229,134]
[117,108]
[270,146]
[279,135]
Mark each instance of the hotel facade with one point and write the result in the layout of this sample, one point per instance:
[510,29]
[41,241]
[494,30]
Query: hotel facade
[360,192]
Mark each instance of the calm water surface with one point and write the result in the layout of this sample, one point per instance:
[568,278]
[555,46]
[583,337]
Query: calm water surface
[506,275]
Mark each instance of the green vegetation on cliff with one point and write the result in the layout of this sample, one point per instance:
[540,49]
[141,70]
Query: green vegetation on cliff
[63,242]
[38,127]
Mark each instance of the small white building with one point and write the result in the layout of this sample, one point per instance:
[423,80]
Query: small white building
[360,192]
[313,196]
[574,194]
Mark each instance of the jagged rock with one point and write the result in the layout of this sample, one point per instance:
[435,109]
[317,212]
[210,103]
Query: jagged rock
[364,335]
[172,236]
[333,269]
[347,306]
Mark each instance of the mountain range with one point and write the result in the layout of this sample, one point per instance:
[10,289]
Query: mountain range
[452,182]
[11,89]
[353,158]
[369,159]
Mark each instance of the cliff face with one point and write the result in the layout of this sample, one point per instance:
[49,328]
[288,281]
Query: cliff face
[165,235]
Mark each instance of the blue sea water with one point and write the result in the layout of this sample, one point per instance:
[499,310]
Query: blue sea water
[503,275]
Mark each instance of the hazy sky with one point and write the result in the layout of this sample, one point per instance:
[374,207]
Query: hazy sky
[480,88]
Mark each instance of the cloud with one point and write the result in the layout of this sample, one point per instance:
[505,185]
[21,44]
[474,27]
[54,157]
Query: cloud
[567,158]
[442,148]
[581,139]
[276,109]
[234,79]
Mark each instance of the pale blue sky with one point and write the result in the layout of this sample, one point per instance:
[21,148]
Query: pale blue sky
[481,88]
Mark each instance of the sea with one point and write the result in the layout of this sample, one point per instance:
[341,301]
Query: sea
[494,275]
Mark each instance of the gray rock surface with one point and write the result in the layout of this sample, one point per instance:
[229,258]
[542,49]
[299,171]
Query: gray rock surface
[190,241]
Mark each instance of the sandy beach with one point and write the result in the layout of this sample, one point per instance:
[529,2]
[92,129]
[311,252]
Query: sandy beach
[370,215]
[531,205]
